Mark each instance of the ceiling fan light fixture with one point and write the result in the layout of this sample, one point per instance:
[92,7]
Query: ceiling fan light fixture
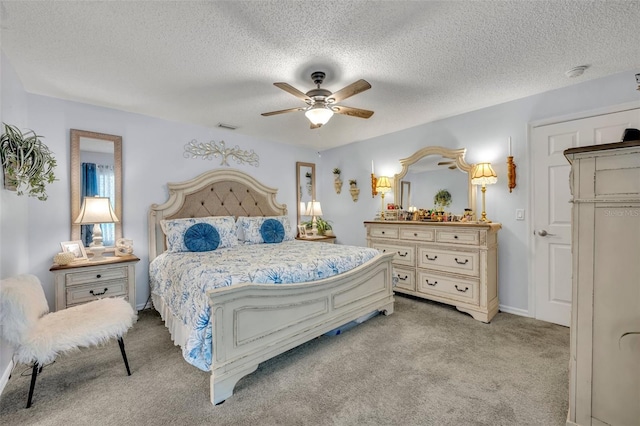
[319,114]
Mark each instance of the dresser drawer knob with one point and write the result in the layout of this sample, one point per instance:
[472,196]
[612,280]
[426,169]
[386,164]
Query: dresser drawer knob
[461,263]
[415,234]
[430,258]
[382,232]
[461,291]
[98,276]
[403,279]
[98,294]
[406,253]
[455,237]
[433,284]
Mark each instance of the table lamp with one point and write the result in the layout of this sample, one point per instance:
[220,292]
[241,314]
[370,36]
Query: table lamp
[383,186]
[314,209]
[483,174]
[96,210]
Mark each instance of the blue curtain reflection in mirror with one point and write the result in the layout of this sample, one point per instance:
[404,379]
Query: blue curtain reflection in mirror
[98,180]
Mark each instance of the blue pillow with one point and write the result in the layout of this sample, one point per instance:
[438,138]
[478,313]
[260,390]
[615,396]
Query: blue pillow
[201,237]
[272,231]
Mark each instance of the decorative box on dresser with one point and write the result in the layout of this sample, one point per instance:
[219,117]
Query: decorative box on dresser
[84,281]
[449,262]
[604,379]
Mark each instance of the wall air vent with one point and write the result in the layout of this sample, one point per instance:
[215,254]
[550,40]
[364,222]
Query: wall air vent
[227,126]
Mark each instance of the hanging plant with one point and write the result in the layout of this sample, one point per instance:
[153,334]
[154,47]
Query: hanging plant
[442,198]
[27,162]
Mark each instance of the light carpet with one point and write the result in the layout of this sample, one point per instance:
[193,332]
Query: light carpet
[426,364]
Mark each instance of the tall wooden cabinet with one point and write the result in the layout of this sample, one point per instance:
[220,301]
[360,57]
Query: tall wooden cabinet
[605,318]
[449,262]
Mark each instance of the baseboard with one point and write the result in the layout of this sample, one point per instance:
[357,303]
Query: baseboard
[515,311]
[5,375]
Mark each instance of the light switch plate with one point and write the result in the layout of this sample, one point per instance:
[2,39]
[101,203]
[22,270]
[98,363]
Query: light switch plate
[519,214]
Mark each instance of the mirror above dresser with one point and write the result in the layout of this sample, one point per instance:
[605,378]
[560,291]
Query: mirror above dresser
[430,170]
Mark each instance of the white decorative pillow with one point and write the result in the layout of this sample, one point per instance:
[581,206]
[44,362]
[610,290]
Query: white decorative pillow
[252,231]
[176,230]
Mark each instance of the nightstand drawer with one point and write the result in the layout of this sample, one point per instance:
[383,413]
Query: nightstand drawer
[97,275]
[86,293]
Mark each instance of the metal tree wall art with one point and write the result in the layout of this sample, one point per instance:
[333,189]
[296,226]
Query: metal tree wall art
[211,150]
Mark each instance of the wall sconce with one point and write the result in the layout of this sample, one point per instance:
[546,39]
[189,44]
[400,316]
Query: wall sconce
[511,169]
[383,186]
[483,174]
[374,182]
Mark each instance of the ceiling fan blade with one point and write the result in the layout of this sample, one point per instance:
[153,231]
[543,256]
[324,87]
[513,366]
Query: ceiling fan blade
[295,92]
[315,126]
[453,167]
[350,90]
[444,163]
[353,112]
[282,111]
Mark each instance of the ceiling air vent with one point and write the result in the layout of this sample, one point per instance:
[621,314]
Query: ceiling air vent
[227,126]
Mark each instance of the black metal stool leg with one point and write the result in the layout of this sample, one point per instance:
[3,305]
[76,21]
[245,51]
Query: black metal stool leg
[34,375]
[124,355]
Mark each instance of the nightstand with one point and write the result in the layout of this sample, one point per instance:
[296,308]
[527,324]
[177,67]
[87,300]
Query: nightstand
[84,281]
[319,239]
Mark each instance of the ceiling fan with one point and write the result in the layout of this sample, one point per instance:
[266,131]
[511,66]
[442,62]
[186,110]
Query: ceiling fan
[321,103]
[451,164]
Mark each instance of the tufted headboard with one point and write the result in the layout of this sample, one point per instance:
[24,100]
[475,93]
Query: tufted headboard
[220,192]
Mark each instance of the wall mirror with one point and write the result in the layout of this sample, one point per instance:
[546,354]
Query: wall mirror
[306,186]
[431,169]
[96,170]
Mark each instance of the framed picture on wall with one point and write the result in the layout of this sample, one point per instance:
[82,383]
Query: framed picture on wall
[75,247]
[302,231]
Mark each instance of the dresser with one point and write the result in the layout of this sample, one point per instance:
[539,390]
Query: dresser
[604,379]
[84,281]
[449,262]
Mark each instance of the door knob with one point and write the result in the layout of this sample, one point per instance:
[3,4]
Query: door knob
[544,233]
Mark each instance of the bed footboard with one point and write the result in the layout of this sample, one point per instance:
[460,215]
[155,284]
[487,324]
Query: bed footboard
[255,322]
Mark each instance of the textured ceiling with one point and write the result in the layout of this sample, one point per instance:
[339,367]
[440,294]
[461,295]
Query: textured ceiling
[216,62]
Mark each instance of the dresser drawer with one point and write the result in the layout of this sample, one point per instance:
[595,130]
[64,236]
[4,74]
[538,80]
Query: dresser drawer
[405,255]
[451,288]
[95,276]
[417,233]
[86,293]
[460,262]
[384,232]
[458,237]
[406,278]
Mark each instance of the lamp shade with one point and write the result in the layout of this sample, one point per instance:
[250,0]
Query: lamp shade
[319,114]
[96,210]
[313,209]
[483,174]
[383,185]
[303,208]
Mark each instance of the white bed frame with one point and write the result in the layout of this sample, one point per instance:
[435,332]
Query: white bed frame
[255,322]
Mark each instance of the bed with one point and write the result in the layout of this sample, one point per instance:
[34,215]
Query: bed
[249,322]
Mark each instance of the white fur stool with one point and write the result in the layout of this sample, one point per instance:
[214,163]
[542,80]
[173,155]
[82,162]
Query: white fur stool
[39,336]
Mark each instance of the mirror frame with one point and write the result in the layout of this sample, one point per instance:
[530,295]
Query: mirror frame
[454,154]
[299,179]
[76,179]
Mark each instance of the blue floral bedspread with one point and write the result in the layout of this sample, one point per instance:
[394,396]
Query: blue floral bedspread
[182,279]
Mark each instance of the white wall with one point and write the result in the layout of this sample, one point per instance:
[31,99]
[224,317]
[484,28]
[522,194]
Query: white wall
[485,134]
[14,251]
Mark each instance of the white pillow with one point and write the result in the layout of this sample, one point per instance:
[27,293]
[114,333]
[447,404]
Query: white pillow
[249,228]
[175,230]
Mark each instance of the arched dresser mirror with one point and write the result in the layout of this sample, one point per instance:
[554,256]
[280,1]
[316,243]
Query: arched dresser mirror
[98,155]
[431,169]
[305,186]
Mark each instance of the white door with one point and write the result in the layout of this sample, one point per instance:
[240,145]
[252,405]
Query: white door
[552,208]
